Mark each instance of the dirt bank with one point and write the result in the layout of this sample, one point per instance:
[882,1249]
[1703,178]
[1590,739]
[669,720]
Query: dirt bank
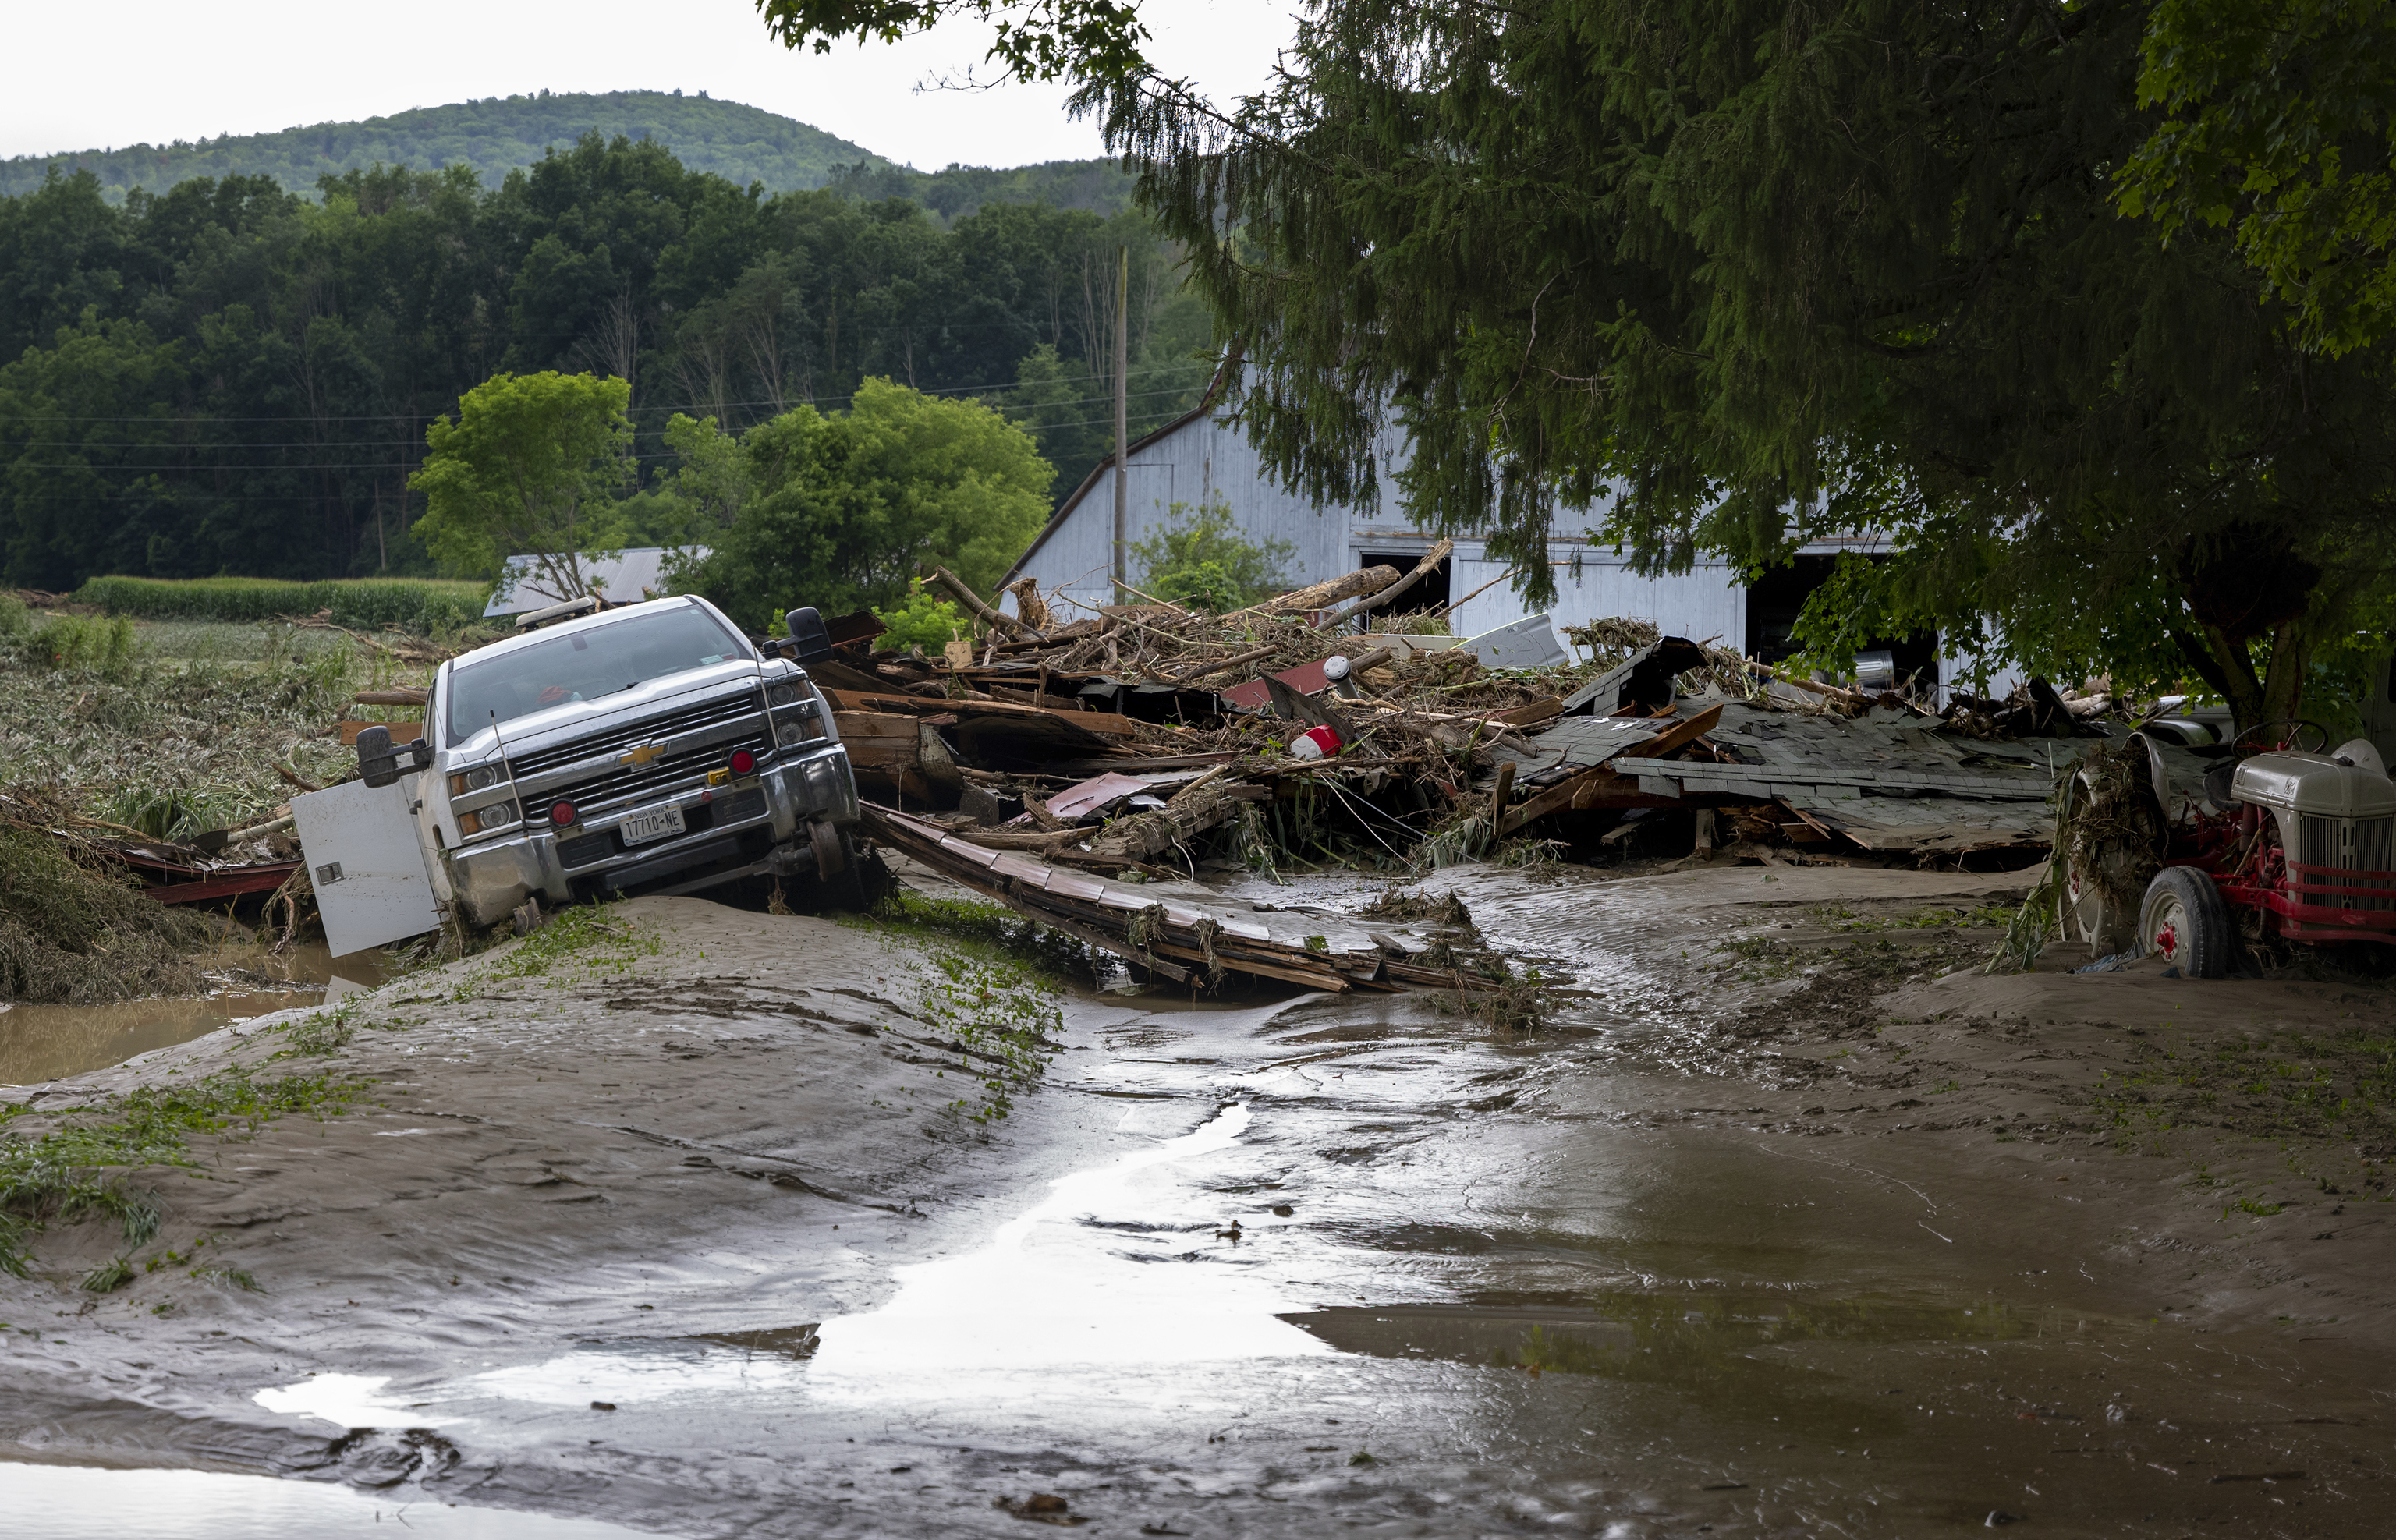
[650,1128]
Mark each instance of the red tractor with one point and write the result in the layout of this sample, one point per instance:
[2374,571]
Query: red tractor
[2294,843]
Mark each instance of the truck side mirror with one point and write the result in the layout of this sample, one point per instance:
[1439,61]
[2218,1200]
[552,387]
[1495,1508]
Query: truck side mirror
[378,760]
[810,643]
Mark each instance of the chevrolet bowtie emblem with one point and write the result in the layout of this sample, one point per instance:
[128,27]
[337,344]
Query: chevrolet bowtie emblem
[641,753]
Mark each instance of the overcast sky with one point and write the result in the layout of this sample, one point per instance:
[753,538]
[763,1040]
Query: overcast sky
[146,69]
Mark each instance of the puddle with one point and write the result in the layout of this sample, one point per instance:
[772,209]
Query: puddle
[1039,1299]
[1026,1319]
[47,1043]
[82,1502]
[344,1401]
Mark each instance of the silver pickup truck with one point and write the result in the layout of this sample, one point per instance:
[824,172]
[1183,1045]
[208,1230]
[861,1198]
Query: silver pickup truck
[647,746]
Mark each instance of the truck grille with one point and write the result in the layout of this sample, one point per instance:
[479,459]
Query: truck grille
[2349,845]
[616,741]
[617,782]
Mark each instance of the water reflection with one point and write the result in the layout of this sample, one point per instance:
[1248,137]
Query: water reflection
[80,1503]
[47,1043]
[1166,1289]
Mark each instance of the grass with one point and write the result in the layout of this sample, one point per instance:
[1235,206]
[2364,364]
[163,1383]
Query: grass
[991,931]
[1005,1013]
[581,945]
[1985,917]
[2339,1085]
[75,1168]
[167,731]
[182,734]
[987,979]
[416,603]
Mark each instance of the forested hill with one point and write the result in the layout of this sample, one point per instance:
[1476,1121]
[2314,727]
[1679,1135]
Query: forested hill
[227,377]
[494,136]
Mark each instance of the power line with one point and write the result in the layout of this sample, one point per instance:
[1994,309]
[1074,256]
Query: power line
[786,402]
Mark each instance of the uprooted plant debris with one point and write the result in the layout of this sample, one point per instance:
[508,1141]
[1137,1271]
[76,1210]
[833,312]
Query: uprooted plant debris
[121,747]
[1149,740]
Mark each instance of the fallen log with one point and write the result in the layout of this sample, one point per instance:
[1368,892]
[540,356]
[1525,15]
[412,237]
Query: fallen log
[996,620]
[1424,568]
[1372,579]
[1219,665]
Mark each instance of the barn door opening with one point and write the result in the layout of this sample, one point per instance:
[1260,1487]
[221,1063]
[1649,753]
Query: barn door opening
[1430,595]
[1779,595]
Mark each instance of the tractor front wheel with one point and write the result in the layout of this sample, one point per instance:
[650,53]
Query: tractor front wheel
[2185,923]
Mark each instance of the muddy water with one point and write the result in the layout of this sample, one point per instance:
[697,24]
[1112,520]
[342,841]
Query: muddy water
[1304,1266]
[44,1042]
[79,1503]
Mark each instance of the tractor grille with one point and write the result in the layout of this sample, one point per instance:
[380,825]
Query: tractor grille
[690,719]
[2349,845]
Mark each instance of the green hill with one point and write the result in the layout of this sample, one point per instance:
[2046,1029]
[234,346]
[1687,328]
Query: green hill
[1095,185]
[494,136]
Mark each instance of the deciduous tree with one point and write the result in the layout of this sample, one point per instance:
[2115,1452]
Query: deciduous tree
[517,472]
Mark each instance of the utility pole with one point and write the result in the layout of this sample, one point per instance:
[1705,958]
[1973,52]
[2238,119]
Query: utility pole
[1123,420]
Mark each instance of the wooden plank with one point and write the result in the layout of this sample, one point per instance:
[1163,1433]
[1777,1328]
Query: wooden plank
[1532,715]
[1107,723]
[1680,733]
[1596,787]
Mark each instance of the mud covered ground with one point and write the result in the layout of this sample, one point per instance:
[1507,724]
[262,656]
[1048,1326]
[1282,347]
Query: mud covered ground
[1783,1226]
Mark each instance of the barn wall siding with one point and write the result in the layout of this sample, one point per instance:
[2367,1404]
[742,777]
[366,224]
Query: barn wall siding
[1203,460]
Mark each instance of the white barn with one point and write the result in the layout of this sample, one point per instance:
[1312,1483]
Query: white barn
[1197,459]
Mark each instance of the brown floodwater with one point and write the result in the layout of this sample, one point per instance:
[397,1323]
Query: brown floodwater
[45,1042]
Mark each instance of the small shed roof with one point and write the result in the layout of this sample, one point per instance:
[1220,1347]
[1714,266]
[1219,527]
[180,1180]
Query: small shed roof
[625,577]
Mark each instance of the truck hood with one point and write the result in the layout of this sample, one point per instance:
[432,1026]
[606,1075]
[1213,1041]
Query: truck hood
[569,720]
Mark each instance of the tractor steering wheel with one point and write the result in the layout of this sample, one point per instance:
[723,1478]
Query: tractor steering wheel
[2299,724]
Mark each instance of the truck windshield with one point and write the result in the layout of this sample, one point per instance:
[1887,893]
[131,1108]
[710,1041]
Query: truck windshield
[586,665]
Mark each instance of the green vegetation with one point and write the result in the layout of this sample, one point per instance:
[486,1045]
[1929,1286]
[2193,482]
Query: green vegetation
[1675,271]
[925,620]
[1100,186]
[2273,1087]
[1197,557]
[75,1167]
[169,729]
[1003,1017]
[489,138]
[582,945]
[72,932]
[844,508]
[518,471]
[989,985]
[153,422]
[2277,127]
[416,603]
[1839,917]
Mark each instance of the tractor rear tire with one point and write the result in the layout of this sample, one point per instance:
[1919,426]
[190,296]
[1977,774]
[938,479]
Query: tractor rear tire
[2092,902]
[2184,922]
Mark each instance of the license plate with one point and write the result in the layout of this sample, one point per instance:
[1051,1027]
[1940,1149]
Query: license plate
[656,824]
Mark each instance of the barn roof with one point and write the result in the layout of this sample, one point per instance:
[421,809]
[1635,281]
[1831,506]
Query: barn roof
[1206,404]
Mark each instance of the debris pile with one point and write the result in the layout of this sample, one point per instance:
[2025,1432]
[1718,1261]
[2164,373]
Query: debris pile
[1148,741]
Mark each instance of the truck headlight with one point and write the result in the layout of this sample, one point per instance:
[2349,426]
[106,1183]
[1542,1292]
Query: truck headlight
[787,692]
[790,733]
[480,777]
[497,816]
